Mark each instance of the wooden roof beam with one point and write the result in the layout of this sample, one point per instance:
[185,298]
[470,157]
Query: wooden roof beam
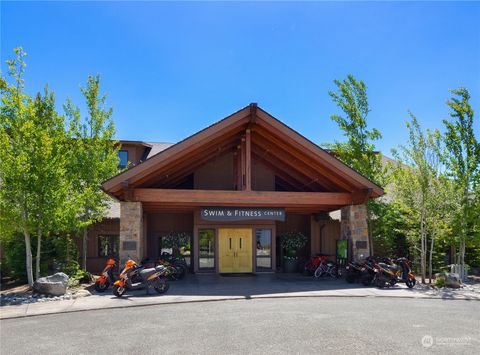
[242,198]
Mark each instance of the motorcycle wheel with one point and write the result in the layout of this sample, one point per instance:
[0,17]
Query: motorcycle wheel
[102,287]
[162,288]
[181,271]
[411,282]
[366,280]
[118,290]
[380,283]
[350,278]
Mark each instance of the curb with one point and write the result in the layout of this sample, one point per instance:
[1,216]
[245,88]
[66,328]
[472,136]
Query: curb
[237,298]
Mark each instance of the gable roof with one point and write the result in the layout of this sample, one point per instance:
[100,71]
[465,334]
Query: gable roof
[274,134]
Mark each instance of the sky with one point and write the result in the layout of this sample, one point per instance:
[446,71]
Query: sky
[173,68]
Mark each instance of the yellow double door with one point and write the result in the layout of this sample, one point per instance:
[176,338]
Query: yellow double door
[235,250]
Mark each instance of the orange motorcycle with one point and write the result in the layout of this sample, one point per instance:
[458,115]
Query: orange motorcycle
[134,277]
[106,279]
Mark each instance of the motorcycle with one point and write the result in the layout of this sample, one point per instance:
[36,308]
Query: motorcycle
[155,278]
[390,273]
[368,271]
[177,265]
[353,271]
[106,279]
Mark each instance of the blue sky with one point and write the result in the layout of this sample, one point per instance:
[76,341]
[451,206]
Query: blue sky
[170,69]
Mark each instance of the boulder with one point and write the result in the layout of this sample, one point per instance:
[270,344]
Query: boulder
[55,285]
[452,280]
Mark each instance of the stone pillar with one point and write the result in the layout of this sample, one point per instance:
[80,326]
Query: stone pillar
[354,227]
[131,232]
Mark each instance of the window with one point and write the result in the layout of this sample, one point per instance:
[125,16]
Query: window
[123,155]
[176,244]
[108,245]
[264,249]
[206,245]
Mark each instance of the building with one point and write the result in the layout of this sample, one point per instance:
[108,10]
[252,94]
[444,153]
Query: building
[228,192]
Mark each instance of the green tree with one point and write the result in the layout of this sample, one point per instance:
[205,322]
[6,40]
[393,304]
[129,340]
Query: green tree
[462,159]
[48,151]
[94,157]
[33,194]
[418,188]
[359,149]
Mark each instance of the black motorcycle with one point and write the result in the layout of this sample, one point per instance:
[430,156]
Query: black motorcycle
[177,265]
[353,271]
[368,271]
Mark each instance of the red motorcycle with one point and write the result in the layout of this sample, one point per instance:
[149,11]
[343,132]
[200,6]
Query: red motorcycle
[106,279]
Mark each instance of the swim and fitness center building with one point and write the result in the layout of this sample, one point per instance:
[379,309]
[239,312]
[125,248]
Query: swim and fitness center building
[228,192]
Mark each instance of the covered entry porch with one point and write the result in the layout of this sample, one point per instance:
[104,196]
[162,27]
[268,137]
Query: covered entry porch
[219,245]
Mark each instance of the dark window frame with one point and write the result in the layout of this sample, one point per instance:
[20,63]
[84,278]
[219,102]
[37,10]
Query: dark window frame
[111,250]
[120,165]
[270,256]
[214,257]
[188,259]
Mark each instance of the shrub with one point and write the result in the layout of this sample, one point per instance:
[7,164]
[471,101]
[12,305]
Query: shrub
[81,276]
[292,242]
[14,262]
[440,282]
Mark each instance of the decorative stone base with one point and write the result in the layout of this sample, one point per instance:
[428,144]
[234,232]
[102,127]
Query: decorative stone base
[131,232]
[354,227]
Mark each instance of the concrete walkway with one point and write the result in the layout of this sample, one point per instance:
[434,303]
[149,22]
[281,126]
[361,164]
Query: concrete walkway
[209,288]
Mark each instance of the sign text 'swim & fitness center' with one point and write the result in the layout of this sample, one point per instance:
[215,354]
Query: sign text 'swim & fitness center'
[241,214]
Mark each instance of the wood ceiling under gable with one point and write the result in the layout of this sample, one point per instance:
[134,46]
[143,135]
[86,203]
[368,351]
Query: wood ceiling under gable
[296,161]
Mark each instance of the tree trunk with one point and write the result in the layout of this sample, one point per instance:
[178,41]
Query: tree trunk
[423,248]
[37,261]
[84,252]
[28,248]
[462,260]
[430,263]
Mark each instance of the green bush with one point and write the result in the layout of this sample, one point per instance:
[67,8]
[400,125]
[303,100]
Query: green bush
[14,262]
[59,253]
[440,282]
[81,276]
[292,242]
[63,255]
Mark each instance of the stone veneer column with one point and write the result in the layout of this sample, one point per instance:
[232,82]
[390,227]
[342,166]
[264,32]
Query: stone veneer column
[354,227]
[131,232]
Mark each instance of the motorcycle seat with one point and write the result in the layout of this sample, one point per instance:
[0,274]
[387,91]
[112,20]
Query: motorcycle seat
[160,268]
[394,268]
[145,273]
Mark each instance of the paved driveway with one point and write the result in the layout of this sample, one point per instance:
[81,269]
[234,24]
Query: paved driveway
[352,325]
[202,288]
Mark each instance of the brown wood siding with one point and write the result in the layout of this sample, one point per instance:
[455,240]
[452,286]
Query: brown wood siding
[135,152]
[162,223]
[95,263]
[263,179]
[324,236]
[217,174]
